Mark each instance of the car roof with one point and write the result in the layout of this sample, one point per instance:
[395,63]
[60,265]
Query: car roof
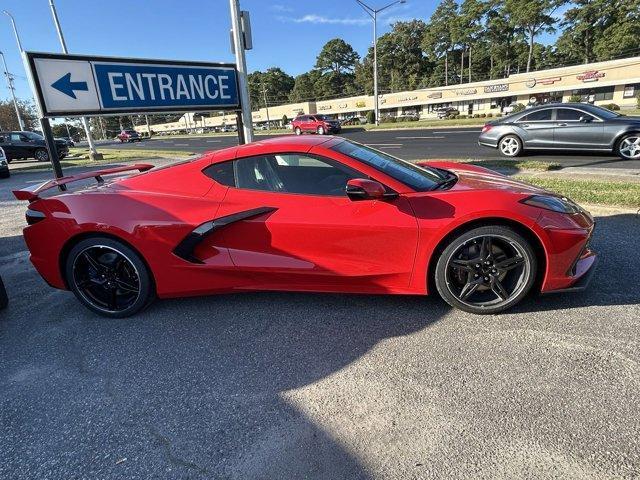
[292,143]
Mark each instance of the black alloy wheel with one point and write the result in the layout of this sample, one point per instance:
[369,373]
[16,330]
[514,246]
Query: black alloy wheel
[486,270]
[108,277]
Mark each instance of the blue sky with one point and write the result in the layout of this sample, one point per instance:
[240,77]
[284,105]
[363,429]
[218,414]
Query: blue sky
[287,34]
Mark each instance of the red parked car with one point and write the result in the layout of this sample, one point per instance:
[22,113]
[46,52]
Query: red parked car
[129,136]
[320,124]
[306,214]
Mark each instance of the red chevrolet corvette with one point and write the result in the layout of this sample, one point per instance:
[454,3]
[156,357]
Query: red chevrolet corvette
[314,213]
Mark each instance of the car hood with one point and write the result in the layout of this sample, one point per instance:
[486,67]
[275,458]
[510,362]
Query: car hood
[473,177]
[626,119]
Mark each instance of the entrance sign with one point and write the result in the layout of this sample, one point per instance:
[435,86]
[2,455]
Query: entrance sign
[78,85]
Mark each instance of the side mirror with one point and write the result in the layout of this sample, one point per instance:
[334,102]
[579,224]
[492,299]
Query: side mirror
[584,119]
[364,189]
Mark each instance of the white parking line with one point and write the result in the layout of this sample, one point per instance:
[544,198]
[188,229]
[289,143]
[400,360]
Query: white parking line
[415,138]
[458,131]
[214,141]
[181,144]
[384,144]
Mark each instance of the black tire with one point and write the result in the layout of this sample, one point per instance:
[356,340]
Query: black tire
[41,155]
[510,146]
[98,269]
[486,277]
[6,174]
[297,131]
[321,130]
[628,148]
[4,299]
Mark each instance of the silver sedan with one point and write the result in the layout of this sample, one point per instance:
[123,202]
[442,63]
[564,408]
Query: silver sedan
[564,126]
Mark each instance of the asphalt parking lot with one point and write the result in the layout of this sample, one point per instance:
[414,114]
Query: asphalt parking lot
[278,385]
[410,144]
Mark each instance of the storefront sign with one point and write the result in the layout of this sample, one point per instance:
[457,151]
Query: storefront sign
[324,107]
[500,87]
[408,99]
[435,95]
[590,76]
[466,91]
[345,105]
[530,83]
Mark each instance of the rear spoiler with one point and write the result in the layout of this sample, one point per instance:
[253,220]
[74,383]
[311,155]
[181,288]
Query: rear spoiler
[31,193]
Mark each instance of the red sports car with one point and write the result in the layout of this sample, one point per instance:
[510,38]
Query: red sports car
[317,214]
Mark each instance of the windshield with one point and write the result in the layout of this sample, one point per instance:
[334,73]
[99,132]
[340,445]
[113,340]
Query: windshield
[33,136]
[418,178]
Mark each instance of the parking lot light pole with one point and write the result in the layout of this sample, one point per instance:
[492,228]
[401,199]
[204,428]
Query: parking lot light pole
[373,13]
[93,153]
[15,30]
[12,90]
[241,65]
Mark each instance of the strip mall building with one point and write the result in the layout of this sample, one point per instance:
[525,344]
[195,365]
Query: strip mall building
[614,81]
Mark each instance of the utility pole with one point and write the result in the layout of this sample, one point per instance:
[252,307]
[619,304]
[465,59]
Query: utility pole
[93,153]
[373,13]
[146,117]
[266,105]
[246,136]
[12,90]
[15,30]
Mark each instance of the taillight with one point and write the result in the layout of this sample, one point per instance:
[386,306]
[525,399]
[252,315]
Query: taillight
[487,127]
[34,216]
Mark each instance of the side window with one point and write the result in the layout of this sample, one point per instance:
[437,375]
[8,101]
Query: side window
[569,114]
[221,173]
[293,173]
[16,137]
[302,118]
[538,116]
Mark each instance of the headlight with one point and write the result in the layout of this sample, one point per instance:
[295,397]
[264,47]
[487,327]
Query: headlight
[3,162]
[555,204]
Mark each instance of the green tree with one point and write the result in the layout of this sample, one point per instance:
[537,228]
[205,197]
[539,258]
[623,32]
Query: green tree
[468,29]
[337,56]
[9,120]
[438,42]
[274,84]
[532,17]
[304,87]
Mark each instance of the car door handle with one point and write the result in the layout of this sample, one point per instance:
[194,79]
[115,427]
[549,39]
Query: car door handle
[563,125]
[526,125]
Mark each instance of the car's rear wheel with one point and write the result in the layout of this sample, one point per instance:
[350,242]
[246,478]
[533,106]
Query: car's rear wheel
[510,146]
[320,130]
[108,277]
[41,155]
[629,147]
[486,270]
[298,131]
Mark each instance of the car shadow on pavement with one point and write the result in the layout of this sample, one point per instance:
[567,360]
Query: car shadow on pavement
[208,387]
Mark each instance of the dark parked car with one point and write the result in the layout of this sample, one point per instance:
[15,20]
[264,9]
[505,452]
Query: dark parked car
[4,165]
[319,124]
[4,300]
[21,145]
[566,126]
[68,141]
[129,136]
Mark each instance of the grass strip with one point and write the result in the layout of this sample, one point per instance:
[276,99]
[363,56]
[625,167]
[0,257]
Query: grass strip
[593,192]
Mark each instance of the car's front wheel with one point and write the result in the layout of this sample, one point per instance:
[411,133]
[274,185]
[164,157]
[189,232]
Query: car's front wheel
[298,131]
[4,299]
[510,146]
[486,270]
[41,155]
[629,147]
[108,277]
[320,130]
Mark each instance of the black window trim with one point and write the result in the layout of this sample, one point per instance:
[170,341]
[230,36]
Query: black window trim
[526,114]
[287,152]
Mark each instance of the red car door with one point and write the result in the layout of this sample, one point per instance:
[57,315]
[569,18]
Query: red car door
[307,234]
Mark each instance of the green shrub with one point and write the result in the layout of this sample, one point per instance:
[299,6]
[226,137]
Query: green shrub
[285,120]
[575,99]
[461,116]
[483,115]
[638,100]
[371,116]
[518,107]
[489,115]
